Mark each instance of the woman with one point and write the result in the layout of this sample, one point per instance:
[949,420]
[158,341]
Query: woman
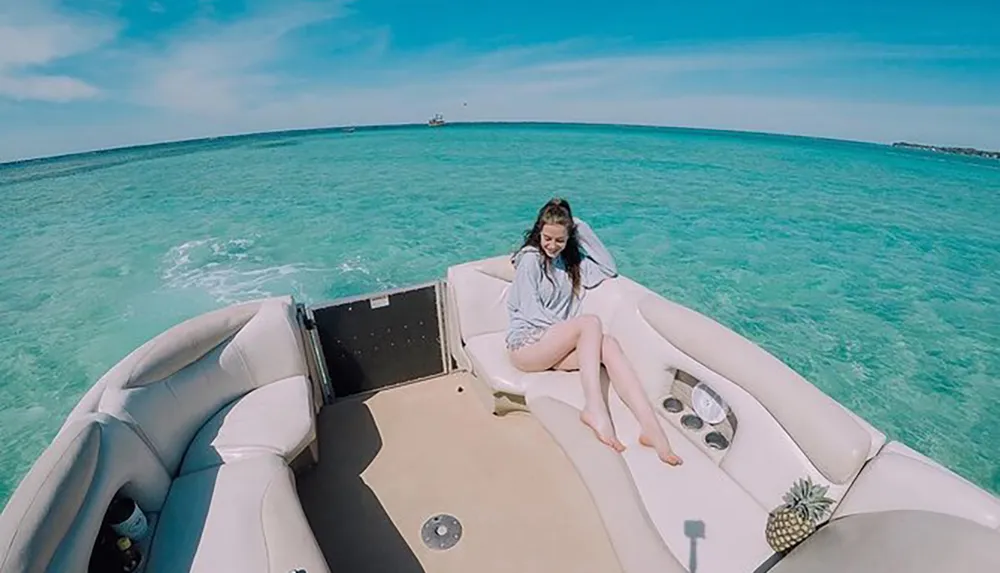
[560,256]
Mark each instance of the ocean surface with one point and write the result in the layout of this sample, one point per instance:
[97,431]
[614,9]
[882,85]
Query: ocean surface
[873,271]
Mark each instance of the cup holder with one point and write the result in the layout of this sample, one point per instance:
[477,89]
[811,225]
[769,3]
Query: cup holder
[715,435]
[673,405]
[716,441]
[691,422]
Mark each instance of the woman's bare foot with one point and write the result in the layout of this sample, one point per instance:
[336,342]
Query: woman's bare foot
[662,447]
[601,425]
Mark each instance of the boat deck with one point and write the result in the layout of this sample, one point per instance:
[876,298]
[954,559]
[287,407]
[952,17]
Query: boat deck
[390,461]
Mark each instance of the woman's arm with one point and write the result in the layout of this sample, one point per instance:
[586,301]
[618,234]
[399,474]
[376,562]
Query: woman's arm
[598,263]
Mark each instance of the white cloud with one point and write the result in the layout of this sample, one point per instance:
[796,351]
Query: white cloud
[220,69]
[548,83]
[238,70]
[36,34]
[46,88]
[217,77]
[554,100]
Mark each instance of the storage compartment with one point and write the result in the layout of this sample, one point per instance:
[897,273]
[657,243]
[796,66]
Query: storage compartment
[380,340]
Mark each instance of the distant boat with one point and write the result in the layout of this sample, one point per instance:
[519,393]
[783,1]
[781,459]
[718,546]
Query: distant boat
[436,121]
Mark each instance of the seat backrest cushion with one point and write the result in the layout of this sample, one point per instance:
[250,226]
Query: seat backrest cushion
[171,386]
[88,403]
[479,292]
[832,439]
[53,517]
[167,353]
[611,296]
[899,478]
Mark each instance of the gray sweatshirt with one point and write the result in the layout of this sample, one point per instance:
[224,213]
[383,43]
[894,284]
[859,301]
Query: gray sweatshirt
[536,301]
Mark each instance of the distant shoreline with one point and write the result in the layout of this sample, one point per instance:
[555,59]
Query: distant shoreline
[969,151]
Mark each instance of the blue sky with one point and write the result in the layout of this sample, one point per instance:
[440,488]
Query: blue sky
[87,74]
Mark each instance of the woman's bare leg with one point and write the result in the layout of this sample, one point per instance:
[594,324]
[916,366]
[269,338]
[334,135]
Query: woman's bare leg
[628,386]
[569,363]
[582,335]
[558,342]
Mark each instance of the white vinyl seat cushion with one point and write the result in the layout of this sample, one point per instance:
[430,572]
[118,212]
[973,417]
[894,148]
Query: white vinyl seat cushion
[275,419]
[899,478]
[696,495]
[490,362]
[242,516]
[488,353]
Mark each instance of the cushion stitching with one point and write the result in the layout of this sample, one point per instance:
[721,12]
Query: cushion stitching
[246,364]
[134,426]
[263,533]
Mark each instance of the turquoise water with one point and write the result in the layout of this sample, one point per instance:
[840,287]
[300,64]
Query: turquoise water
[872,271]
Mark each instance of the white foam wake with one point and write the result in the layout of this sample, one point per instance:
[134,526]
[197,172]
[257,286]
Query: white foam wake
[228,270]
[356,264]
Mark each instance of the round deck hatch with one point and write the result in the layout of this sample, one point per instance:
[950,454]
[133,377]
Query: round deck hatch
[441,532]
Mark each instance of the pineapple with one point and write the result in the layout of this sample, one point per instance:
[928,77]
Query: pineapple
[789,524]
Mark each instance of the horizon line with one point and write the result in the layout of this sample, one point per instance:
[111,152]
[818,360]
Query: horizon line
[379,126]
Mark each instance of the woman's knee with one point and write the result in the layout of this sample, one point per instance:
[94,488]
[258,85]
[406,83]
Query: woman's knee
[590,323]
[610,346]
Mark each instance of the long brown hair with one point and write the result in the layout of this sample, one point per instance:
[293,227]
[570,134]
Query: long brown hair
[557,212]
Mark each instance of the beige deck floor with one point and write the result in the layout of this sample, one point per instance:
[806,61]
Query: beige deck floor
[392,460]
